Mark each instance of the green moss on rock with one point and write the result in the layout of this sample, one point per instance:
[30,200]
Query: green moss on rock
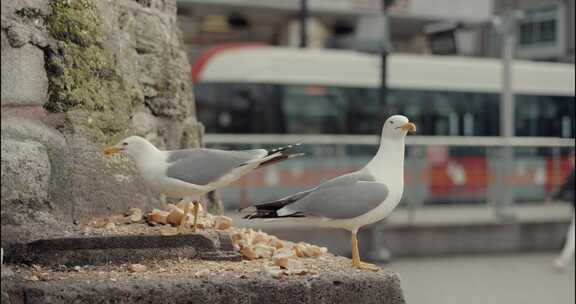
[82,73]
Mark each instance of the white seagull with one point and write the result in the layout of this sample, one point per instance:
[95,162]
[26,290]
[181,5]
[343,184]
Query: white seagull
[191,173]
[352,200]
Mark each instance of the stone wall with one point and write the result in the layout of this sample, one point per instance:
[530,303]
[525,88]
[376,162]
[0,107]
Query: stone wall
[78,75]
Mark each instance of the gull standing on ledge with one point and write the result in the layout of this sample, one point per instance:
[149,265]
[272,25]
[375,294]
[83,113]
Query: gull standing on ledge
[352,200]
[191,173]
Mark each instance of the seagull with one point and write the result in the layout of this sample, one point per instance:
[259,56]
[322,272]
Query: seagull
[191,173]
[352,200]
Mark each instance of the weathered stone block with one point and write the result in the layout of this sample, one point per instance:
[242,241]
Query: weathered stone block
[193,133]
[79,182]
[25,171]
[8,278]
[35,216]
[9,7]
[101,185]
[24,80]
[149,32]
[23,130]
[25,202]
[146,125]
[167,6]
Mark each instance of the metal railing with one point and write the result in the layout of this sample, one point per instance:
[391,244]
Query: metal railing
[485,141]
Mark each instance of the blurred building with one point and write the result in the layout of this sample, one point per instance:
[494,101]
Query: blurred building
[446,27]
[545,30]
[347,24]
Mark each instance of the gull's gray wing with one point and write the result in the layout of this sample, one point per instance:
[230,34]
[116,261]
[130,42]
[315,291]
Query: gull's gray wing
[203,166]
[342,201]
[346,196]
[347,179]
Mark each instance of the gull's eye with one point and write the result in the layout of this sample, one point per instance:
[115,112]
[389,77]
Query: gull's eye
[124,144]
[391,122]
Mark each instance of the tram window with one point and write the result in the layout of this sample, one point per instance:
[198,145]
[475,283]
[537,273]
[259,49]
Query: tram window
[314,110]
[444,112]
[448,113]
[468,124]
[567,126]
[363,112]
[566,117]
[544,116]
[237,108]
[477,113]
[207,104]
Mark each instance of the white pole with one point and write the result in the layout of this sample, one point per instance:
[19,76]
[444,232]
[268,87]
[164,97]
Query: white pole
[507,28]
[508,32]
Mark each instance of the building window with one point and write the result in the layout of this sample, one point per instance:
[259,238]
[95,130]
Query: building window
[539,27]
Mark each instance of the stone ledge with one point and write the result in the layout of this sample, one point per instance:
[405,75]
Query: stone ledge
[342,287]
[122,249]
[35,114]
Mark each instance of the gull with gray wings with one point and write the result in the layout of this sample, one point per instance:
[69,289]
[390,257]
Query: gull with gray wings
[352,200]
[191,173]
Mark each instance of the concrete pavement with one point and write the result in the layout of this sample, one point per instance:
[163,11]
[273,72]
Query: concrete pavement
[506,279]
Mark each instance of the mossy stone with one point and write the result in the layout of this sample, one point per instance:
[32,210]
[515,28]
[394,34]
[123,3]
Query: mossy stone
[82,74]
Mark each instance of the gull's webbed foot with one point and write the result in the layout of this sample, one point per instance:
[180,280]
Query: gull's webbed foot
[356,257]
[365,266]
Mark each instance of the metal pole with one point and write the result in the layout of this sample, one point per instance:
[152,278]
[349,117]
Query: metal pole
[384,50]
[507,95]
[508,33]
[303,17]
[383,80]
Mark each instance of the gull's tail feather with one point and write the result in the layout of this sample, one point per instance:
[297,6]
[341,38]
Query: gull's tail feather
[262,211]
[284,148]
[270,209]
[280,154]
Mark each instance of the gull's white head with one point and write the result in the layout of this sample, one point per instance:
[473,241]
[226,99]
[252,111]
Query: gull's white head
[133,146]
[397,126]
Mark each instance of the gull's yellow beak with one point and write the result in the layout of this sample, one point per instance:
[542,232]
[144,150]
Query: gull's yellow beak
[410,127]
[109,151]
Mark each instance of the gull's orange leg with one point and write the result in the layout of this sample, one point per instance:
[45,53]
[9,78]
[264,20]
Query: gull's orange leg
[195,212]
[356,257]
[183,221]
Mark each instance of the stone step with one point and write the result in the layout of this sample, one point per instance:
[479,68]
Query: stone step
[122,249]
[331,287]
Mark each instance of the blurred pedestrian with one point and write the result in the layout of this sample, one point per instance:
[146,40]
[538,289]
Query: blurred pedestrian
[566,193]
